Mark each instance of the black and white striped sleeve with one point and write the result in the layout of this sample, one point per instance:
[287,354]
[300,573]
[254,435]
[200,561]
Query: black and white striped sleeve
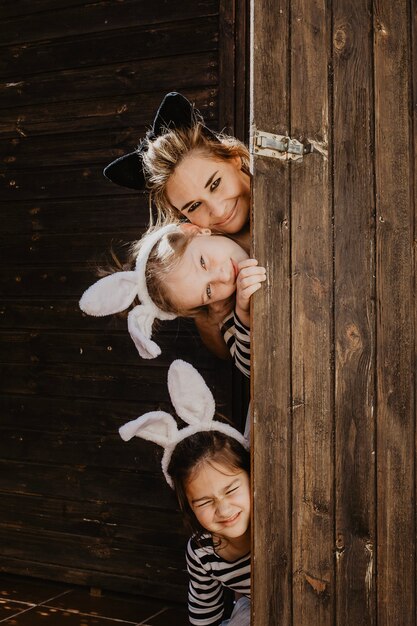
[205,593]
[237,338]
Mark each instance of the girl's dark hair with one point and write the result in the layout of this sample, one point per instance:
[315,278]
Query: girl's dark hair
[188,457]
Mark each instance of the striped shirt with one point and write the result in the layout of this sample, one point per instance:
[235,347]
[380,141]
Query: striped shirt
[208,574]
[237,338]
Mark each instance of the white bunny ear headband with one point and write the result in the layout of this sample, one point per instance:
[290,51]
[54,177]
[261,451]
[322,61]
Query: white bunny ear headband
[116,292]
[193,403]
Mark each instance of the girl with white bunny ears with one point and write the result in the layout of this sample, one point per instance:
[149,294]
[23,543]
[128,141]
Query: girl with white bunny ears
[207,464]
[183,270]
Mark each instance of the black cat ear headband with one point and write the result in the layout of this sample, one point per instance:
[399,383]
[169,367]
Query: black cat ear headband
[175,112]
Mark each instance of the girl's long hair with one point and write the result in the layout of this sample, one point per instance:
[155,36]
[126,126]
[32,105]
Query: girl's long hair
[189,456]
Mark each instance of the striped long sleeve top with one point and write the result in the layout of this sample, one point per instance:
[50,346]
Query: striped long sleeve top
[208,575]
[237,338]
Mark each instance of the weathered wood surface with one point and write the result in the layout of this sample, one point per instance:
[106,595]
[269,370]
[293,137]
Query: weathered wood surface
[271,364]
[354,313]
[79,86]
[97,17]
[395,301]
[350,486]
[311,322]
[134,111]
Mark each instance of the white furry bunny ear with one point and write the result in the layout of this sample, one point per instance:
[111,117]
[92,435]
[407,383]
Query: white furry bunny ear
[156,426]
[111,294]
[192,399]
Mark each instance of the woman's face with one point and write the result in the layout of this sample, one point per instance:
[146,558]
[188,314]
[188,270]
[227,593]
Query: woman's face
[207,271]
[211,193]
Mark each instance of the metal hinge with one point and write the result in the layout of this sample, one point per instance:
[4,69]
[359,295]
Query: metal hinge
[279,146]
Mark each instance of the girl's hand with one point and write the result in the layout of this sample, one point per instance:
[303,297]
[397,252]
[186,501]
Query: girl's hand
[249,279]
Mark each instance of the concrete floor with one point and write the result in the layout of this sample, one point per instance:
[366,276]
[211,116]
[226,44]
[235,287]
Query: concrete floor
[33,602]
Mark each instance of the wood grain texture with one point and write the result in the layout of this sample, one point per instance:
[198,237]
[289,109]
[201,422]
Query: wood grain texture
[395,315]
[354,313]
[271,365]
[134,111]
[163,74]
[98,17]
[312,332]
[96,49]
[80,86]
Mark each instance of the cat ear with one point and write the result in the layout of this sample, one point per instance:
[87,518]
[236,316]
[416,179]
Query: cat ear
[156,426]
[192,399]
[111,294]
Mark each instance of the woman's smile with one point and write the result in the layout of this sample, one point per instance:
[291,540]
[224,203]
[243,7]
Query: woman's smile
[211,193]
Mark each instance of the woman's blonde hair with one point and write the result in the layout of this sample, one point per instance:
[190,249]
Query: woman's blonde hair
[167,151]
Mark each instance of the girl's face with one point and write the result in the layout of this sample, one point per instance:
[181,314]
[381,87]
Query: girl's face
[211,193]
[219,496]
[207,271]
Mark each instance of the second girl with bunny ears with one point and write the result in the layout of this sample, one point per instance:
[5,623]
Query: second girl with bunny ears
[207,464]
[182,270]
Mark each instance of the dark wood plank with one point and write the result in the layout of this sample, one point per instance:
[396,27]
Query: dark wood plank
[40,248]
[354,314]
[193,35]
[271,365]
[50,182]
[95,578]
[242,65]
[83,483]
[47,281]
[227,60]
[106,214]
[88,381]
[395,315]
[165,74]
[93,519]
[413,22]
[98,17]
[135,110]
[312,348]
[15,8]
[106,554]
[97,449]
[82,148]
[109,348]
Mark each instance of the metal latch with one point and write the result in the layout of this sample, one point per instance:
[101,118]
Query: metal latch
[279,146]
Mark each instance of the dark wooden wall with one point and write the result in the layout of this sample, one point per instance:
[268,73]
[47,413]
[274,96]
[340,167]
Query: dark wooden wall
[334,439]
[79,85]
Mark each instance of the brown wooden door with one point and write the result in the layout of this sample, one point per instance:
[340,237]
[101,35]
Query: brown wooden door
[333,347]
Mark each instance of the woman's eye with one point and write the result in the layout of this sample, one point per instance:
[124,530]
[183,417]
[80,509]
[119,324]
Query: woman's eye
[193,207]
[232,490]
[208,291]
[202,263]
[215,184]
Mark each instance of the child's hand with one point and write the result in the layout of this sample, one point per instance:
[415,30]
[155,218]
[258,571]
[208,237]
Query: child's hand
[250,278]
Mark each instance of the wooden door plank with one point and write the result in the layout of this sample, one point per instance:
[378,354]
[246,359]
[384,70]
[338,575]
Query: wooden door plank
[354,313]
[395,305]
[271,368]
[312,332]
